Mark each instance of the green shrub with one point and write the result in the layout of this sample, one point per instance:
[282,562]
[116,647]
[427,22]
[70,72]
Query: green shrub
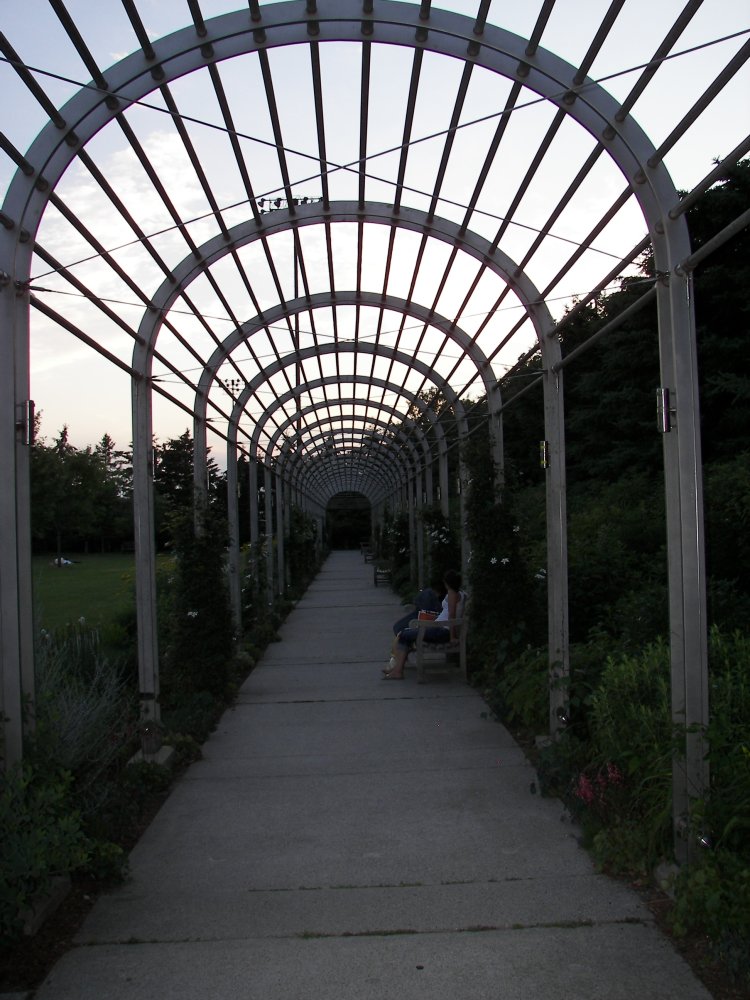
[442,551]
[613,764]
[519,691]
[630,711]
[85,713]
[200,647]
[192,713]
[726,813]
[712,896]
[560,761]
[301,550]
[42,837]
[613,767]
[631,736]
[616,543]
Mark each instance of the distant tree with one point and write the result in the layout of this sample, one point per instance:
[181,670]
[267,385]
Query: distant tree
[614,453]
[79,495]
[112,518]
[722,309]
[173,482]
[62,480]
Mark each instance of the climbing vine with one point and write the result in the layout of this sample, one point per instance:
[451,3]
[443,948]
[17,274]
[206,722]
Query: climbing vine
[504,600]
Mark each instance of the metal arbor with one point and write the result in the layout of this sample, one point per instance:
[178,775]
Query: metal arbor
[397,273]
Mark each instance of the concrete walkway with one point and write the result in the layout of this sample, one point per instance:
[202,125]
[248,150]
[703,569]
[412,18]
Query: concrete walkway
[350,838]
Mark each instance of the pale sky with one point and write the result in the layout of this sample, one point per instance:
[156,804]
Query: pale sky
[72,385]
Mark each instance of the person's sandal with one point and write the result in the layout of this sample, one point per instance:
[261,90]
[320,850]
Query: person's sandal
[391,665]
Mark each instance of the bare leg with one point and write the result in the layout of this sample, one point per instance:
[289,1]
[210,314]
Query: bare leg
[397,670]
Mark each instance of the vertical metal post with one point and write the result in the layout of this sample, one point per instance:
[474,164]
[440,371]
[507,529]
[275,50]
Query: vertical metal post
[557,544]
[465,544]
[233,527]
[410,507]
[495,403]
[420,532]
[200,470]
[145,550]
[445,504]
[16,622]
[280,560]
[686,551]
[268,486]
[252,485]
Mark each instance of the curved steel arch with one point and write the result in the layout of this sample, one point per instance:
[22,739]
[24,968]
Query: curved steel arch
[383,462]
[396,430]
[142,429]
[452,35]
[414,400]
[317,213]
[259,380]
[282,24]
[372,349]
[322,300]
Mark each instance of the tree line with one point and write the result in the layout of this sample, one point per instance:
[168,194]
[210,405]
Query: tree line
[82,498]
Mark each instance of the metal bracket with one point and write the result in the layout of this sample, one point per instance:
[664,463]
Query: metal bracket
[665,412]
[544,454]
[25,421]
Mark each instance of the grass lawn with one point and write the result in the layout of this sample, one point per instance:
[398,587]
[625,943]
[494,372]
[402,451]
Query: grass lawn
[97,588]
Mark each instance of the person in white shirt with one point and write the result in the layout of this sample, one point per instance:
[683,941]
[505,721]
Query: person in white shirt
[453,608]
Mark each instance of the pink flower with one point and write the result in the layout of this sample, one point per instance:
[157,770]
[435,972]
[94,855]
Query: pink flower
[614,774]
[584,790]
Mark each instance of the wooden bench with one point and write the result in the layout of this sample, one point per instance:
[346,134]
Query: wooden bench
[447,655]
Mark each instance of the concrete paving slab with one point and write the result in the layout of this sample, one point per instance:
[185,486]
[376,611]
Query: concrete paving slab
[349,910]
[346,837]
[587,963]
[329,830]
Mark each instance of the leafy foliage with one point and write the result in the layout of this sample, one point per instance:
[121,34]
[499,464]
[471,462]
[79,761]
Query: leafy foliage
[503,606]
[79,496]
[301,550]
[85,711]
[200,636]
[42,837]
[613,762]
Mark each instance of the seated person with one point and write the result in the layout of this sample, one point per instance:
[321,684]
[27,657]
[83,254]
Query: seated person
[452,608]
[429,599]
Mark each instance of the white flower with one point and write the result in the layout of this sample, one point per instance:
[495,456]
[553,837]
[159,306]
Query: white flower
[516,528]
[493,560]
[541,575]
[192,614]
[81,620]
[505,561]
